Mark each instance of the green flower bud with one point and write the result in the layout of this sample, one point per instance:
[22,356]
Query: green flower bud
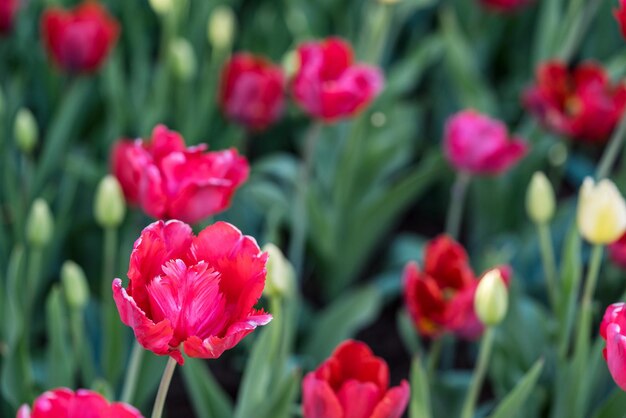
[221,27]
[39,224]
[74,285]
[491,300]
[26,131]
[540,200]
[290,63]
[280,272]
[183,59]
[162,7]
[109,205]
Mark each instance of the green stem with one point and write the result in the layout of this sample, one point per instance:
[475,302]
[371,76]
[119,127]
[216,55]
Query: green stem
[577,31]
[108,268]
[166,379]
[112,342]
[584,327]
[132,376]
[457,203]
[299,218]
[480,371]
[434,353]
[612,150]
[549,263]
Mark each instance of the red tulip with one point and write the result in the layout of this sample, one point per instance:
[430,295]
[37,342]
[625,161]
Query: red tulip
[620,16]
[441,298]
[8,9]
[353,383]
[328,85]
[192,293]
[63,403]
[617,252]
[613,330]
[252,91]
[170,181]
[581,103]
[477,144]
[505,6]
[79,40]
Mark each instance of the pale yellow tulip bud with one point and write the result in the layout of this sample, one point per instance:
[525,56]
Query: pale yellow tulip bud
[280,272]
[39,224]
[183,59]
[75,285]
[110,205]
[221,27]
[26,131]
[491,300]
[601,212]
[540,200]
[162,7]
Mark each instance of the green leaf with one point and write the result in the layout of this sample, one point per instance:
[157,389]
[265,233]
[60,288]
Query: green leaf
[149,376]
[208,398]
[283,396]
[420,391]
[548,30]
[407,333]
[513,402]
[613,406]
[341,320]
[59,354]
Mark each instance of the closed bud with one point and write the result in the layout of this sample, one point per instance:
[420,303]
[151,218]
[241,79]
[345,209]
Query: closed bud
[290,64]
[601,212]
[491,300]
[183,59]
[540,200]
[40,224]
[109,205]
[221,27]
[74,285]
[162,7]
[26,131]
[280,272]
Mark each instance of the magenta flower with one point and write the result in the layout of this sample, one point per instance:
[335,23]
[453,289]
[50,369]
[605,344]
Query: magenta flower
[613,330]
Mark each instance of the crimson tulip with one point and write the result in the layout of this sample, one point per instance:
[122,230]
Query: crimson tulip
[613,331]
[620,16]
[505,6]
[353,383]
[328,85]
[192,293]
[170,181]
[8,9]
[252,91]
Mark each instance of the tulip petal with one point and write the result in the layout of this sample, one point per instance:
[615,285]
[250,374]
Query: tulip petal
[359,363]
[616,354]
[319,400]
[23,412]
[394,403]
[121,410]
[358,399]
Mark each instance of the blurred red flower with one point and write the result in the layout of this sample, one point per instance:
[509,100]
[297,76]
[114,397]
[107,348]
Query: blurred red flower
[505,6]
[64,403]
[353,383]
[79,40]
[329,85]
[170,181]
[192,293]
[252,91]
[581,103]
[613,331]
[617,252]
[441,298]
[8,9]
[477,144]
[620,16]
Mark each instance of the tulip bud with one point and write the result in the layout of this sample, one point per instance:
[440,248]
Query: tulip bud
[221,27]
[162,7]
[290,63]
[40,224]
[74,285]
[280,272]
[601,212]
[183,59]
[491,300]
[540,200]
[26,131]
[109,205]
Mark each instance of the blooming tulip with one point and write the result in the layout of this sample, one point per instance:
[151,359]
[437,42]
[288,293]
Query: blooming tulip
[620,16]
[613,331]
[170,181]
[328,85]
[581,103]
[617,252]
[8,9]
[64,403]
[601,212]
[353,383]
[252,91]
[477,144]
[79,40]
[192,293]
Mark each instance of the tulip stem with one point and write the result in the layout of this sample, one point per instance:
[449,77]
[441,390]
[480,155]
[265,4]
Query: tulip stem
[612,150]
[457,203]
[582,339]
[112,344]
[299,219]
[486,343]
[434,353]
[132,376]
[549,263]
[164,386]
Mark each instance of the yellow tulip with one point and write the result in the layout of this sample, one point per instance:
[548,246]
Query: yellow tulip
[601,212]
